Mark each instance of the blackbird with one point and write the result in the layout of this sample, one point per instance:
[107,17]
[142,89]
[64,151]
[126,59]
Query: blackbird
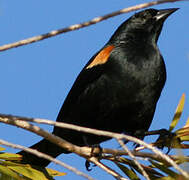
[118,88]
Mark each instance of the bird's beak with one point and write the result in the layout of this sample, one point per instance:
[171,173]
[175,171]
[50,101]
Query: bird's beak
[164,13]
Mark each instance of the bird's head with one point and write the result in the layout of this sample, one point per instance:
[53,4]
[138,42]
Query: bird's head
[147,23]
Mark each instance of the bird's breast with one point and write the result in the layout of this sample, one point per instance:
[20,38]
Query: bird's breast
[138,75]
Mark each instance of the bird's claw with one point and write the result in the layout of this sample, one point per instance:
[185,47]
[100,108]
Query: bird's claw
[96,151]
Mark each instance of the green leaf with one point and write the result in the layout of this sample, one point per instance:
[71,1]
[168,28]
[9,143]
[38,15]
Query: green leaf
[164,169]
[53,172]
[166,178]
[10,156]
[9,163]
[2,149]
[178,113]
[4,176]
[187,123]
[6,171]
[183,133]
[150,171]
[31,173]
[184,138]
[130,173]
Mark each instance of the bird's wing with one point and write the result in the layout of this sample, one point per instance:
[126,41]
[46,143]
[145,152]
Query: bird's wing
[90,73]
[100,58]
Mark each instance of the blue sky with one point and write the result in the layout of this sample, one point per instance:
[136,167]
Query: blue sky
[36,78]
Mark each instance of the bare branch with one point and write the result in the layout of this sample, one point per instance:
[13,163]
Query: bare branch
[107,169]
[82,151]
[79,26]
[78,150]
[117,152]
[134,159]
[42,155]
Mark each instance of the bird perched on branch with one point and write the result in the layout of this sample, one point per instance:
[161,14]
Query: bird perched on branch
[118,88]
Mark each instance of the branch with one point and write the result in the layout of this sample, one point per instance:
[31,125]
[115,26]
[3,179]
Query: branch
[79,150]
[82,25]
[42,155]
[55,139]
[107,169]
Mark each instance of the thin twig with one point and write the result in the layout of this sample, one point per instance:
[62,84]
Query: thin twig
[107,169]
[79,26]
[42,155]
[134,159]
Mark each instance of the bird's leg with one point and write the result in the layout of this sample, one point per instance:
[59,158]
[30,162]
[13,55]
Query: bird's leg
[161,132]
[96,151]
[164,137]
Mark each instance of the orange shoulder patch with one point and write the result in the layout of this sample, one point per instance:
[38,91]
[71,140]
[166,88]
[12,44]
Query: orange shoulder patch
[102,57]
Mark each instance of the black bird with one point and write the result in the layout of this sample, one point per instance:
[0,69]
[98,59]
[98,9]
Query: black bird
[118,89]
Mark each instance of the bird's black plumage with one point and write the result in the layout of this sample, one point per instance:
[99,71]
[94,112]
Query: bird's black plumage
[118,88]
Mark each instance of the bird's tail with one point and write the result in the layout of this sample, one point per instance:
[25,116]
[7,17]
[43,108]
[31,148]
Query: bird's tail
[43,146]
